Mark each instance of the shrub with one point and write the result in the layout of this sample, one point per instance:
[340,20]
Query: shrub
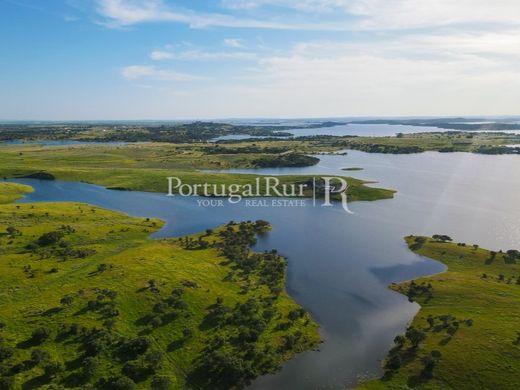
[40,335]
[50,238]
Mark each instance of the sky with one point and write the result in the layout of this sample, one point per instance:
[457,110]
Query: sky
[203,59]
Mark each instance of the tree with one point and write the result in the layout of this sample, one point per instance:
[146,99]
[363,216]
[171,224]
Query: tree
[41,334]
[436,354]
[399,340]
[415,336]
[137,346]
[38,356]
[90,367]
[442,238]
[430,321]
[394,362]
[50,238]
[187,333]
[7,382]
[161,383]
[428,366]
[12,231]
[154,359]
[156,322]
[67,300]
[5,352]
[52,369]
[123,383]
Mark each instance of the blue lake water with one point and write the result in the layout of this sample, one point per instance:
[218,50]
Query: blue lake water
[341,264]
[372,130]
[376,130]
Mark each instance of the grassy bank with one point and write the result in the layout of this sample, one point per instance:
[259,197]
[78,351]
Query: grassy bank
[88,301]
[466,333]
[9,192]
[145,167]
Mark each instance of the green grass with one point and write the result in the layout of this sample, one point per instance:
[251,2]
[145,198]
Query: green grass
[490,143]
[479,286]
[9,192]
[33,282]
[145,167]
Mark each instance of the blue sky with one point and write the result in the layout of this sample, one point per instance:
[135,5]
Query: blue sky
[160,59]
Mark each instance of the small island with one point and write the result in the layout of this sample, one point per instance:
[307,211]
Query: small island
[352,169]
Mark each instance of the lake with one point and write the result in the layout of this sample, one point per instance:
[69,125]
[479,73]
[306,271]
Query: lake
[341,264]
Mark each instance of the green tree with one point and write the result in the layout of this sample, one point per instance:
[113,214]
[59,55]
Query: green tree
[415,336]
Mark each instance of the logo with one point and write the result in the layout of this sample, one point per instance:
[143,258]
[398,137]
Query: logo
[266,191]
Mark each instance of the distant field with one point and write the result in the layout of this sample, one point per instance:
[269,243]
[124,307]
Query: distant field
[145,167]
[467,329]
[484,143]
[86,299]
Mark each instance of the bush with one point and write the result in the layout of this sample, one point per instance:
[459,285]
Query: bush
[40,335]
[50,238]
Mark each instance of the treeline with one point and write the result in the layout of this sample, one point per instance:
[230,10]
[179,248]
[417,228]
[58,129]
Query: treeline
[285,160]
[253,149]
[131,132]
[463,124]
[234,356]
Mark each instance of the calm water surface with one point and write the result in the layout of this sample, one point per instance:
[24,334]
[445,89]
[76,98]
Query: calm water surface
[340,264]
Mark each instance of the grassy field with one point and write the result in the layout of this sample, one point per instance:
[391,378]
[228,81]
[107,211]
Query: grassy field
[145,167]
[467,329]
[9,192]
[87,300]
[486,143]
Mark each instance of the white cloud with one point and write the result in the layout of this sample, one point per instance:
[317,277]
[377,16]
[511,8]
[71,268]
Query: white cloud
[196,54]
[408,57]
[121,13]
[159,55]
[344,15]
[233,42]
[424,74]
[136,72]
